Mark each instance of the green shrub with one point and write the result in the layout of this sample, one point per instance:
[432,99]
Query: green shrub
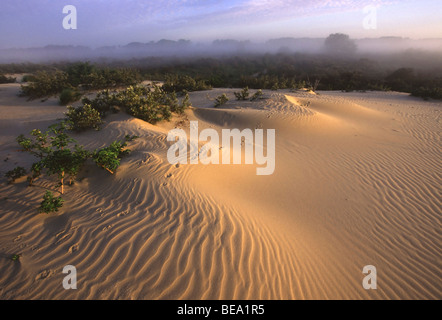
[243,94]
[184,104]
[15,174]
[180,83]
[50,203]
[28,78]
[426,93]
[149,105]
[54,154]
[83,118]
[5,79]
[103,102]
[109,157]
[68,96]
[221,100]
[45,85]
[258,95]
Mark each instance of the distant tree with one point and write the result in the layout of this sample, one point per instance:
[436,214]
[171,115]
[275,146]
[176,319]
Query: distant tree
[401,80]
[339,44]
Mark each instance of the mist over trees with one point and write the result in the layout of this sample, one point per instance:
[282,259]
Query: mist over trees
[339,44]
[183,49]
[337,62]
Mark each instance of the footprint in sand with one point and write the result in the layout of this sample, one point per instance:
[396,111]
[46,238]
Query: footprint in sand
[45,274]
[122,214]
[73,248]
[62,237]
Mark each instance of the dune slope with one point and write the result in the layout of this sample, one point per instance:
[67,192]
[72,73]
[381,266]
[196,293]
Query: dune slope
[357,182]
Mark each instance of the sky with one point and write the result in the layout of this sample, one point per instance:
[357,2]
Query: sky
[34,23]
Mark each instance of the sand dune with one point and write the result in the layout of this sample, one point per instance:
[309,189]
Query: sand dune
[357,182]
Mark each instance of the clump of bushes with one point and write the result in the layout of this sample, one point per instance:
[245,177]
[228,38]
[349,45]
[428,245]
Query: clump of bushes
[60,155]
[83,117]
[50,203]
[5,79]
[221,100]
[15,174]
[69,95]
[427,93]
[77,76]
[243,94]
[109,157]
[151,104]
[103,102]
[180,83]
[257,95]
[45,84]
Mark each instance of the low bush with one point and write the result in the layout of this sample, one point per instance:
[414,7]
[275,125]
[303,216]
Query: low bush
[180,83]
[45,84]
[58,154]
[257,95]
[5,79]
[109,157]
[427,93]
[243,94]
[221,100]
[50,203]
[83,117]
[68,96]
[15,174]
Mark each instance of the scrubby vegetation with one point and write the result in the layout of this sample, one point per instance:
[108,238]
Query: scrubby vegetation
[221,100]
[68,96]
[50,203]
[55,152]
[79,76]
[15,174]
[257,95]
[46,84]
[109,158]
[83,117]
[5,79]
[427,93]
[149,103]
[58,154]
[412,72]
[180,83]
[243,94]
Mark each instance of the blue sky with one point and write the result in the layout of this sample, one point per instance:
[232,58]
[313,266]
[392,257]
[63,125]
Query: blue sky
[27,23]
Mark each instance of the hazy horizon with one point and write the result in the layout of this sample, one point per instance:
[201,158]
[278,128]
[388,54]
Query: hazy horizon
[119,22]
